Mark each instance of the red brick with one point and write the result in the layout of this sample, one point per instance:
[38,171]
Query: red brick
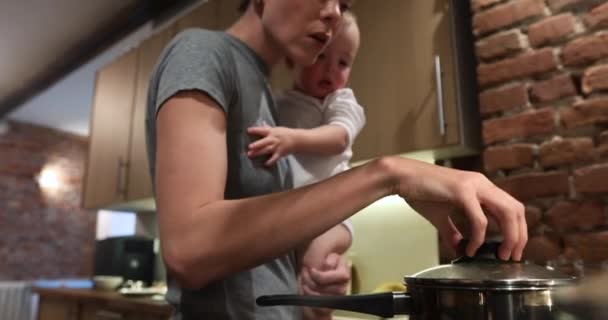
[503,99]
[589,112]
[559,5]
[506,15]
[591,179]
[551,29]
[567,216]
[535,185]
[508,157]
[541,249]
[565,151]
[591,247]
[533,216]
[557,87]
[519,126]
[502,44]
[595,79]
[585,50]
[598,17]
[524,65]
[60,236]
[482,4]
[603,138]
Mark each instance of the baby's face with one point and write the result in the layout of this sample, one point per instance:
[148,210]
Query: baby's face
[332,68]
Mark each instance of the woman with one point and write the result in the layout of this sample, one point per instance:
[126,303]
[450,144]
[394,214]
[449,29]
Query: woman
[230,227]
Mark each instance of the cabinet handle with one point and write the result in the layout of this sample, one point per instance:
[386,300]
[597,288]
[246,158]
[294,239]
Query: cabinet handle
[439,85]
[107,315]
[121,188]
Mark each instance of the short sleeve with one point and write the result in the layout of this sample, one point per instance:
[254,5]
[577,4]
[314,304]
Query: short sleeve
[195,60]
[341,108]
[348,224]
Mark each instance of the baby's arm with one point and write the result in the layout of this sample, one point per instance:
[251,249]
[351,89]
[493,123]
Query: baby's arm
[281,141]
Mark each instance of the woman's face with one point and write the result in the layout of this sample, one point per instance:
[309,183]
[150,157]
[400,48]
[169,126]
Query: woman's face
[302,28]
[331,70]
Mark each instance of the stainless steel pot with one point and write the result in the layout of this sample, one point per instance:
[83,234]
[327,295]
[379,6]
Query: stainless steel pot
[469,288]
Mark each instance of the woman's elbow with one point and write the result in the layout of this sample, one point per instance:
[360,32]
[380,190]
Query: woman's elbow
[181,267]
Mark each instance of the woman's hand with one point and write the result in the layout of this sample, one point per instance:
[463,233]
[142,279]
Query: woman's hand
[275,141]
[331,279]
[437,191]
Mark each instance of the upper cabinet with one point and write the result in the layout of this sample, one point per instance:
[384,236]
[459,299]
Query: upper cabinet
[117,174]
[414,76]
[108,160]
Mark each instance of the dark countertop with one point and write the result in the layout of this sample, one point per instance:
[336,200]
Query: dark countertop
[109,299]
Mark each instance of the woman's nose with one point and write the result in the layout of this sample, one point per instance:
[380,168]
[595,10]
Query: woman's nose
[331,13]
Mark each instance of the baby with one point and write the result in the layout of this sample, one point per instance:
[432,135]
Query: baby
[320,119]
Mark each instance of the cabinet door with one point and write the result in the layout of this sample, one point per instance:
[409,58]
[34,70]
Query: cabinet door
[54,309]
[139,181]
[105,181]
[394,77]
[204,15]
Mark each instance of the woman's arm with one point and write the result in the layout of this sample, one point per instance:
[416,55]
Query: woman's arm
[202,231]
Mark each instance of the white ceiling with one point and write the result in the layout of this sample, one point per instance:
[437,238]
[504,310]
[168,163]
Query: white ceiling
[66,105]
[35,35]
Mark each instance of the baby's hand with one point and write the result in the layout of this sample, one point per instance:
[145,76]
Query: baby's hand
[276,141]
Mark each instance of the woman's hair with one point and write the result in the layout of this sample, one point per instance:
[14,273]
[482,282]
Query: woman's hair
[243,5]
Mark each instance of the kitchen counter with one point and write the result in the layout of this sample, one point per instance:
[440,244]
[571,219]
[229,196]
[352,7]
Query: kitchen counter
[108,299]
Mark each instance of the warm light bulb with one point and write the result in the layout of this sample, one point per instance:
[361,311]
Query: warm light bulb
[49,179]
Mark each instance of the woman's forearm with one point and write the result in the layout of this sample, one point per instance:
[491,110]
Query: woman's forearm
[223,237]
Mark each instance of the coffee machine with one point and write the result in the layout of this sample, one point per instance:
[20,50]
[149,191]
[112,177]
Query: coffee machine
[131,257]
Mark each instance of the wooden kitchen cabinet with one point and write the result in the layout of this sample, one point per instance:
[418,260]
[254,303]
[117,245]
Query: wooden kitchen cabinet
[139,180]
[395,79]
[205,15]
[107,165]
[92,311]
[89,304]
[117,175]
[52,308]
[117,169]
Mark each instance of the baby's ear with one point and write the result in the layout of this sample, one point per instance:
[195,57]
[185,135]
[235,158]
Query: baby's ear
[289,63]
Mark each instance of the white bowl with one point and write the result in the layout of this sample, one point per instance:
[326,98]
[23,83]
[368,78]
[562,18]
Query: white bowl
[107,282]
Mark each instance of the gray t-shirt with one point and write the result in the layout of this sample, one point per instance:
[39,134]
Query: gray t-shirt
[235,77]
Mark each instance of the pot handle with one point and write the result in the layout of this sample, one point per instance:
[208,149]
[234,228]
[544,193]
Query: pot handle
[385,304]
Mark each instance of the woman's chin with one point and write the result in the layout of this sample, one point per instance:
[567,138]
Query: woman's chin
[303,58]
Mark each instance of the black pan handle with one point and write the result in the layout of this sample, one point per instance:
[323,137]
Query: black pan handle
[385,304]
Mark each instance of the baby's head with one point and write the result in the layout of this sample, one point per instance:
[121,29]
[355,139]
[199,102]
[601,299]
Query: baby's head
[331,70]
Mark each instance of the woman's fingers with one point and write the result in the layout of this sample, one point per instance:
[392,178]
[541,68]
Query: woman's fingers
[308,286]
[478,222]
[339,275]
[510,215]
[523,237]
[450,234]
[332,261]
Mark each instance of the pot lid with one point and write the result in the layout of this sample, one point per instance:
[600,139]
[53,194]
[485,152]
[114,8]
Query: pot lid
[485,271]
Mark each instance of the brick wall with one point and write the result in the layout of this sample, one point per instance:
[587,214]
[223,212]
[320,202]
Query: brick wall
[543,78]
[43,233]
